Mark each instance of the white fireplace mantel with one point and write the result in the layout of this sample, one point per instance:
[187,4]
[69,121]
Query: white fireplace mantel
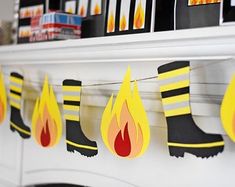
[100,60]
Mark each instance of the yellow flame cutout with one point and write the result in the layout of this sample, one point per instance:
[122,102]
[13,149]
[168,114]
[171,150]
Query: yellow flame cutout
[47,101]
[123,23]
[139,16]
[3,99]
[136,110]
[111,23]
[227,111]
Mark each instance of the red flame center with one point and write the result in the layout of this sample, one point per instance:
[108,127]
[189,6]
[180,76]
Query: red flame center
[122,145]
[45,136]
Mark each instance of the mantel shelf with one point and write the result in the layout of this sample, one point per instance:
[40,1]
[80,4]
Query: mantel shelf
[204,43]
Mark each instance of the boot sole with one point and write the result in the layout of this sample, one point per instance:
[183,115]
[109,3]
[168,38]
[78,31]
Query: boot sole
[82,151]
[24,136]
[198,152]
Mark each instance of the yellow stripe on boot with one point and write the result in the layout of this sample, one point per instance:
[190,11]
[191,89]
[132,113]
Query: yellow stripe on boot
[71,107]
[178,111]
[16,80]
[200,145]
[71,98]
[173,73]
[71,117]
[173,86]
[81,146]
[175,99]
[71,88]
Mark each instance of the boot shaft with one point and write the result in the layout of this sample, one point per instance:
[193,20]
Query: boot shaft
[174,86]
[16,84]
[72,98]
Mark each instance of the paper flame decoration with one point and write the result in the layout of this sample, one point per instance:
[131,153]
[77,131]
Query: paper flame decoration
[202,2]
[82,12]
[97,9]
[3,99]
[125,127]
[123,23]
[70,10]
[111,23]
[46,120]
[139,17]
[227,111]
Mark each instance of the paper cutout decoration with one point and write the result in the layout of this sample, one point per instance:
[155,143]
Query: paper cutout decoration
[82,8]
[96,6]
[111,16]
[200,2]
[125,127]
[75,137]
[16,121]
[227,111]
[124,15]
[183,134]
[3,99]
[46,119]
[139,17]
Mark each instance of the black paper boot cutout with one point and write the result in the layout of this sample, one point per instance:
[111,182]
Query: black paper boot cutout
[183,134]
[75,138]
[16,121]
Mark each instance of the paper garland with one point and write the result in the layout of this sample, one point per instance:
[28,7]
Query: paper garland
[3,99]
[46,119]
[227,111]
[183,134]
[125,127]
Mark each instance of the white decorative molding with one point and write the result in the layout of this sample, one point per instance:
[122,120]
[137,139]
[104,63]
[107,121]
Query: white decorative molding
[205,43]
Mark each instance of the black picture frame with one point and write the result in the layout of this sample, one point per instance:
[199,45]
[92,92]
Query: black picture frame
[94,25]
[187,17]
[131,30]
[228,12]
[164,15]
[27,21]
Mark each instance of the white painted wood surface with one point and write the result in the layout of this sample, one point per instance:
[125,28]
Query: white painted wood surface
[100,60]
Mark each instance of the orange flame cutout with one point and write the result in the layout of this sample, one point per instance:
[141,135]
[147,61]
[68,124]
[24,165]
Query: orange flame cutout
[3,99]
[227,111]
[123,23]
[46,120]
[27,13]
[82,11]
[38,12]
[139,17]
[111,23]
[124,127]
[203,2]
[97,9]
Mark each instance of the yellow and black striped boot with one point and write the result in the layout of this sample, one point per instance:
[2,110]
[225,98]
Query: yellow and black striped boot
[16,121]
[75,138]
[183,134]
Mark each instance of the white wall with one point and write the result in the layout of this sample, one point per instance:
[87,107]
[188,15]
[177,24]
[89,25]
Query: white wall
[6,9]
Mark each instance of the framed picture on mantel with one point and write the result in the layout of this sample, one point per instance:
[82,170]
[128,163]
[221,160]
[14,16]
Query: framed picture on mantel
[228,12]
[128,16]
[196,13]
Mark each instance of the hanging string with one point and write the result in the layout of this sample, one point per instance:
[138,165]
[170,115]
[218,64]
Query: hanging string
[120,82]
